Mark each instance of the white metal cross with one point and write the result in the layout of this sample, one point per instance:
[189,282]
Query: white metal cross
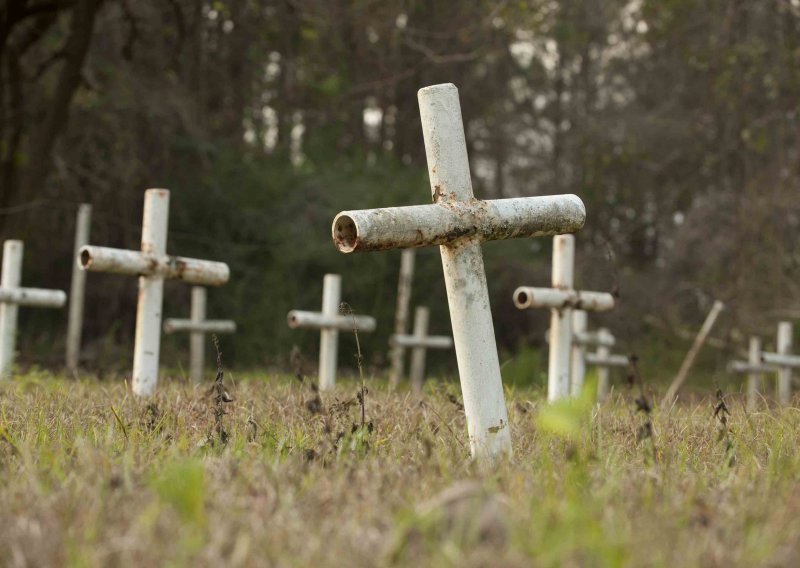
[12,296]
[197,325]
[152,265]
[562,298]
[330,322]
[459,223]
[77,289]
[404,284]
[419,342]
[754,368]
[783,361]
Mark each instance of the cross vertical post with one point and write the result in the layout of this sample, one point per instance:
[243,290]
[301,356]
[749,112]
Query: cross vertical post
[77,289]
[147,342]
[404,285]
[603,372]
[784,345]
[753,378]
[561,319]
[580,324]
[10,280]
[465,277]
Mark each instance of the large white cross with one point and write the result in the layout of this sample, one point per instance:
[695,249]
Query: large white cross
[419,342]
[197,325]
[783,361]
[12,296]
[562,298]
[152,265]
[459,223]
[754,368]
[404,283]
[330,322]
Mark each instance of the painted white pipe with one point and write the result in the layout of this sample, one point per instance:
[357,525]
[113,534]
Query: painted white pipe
[417,370]
[529,297]
[176,325]
[778,360]
[784,344]
[594,338]
[134,263]
[604,344]
[404,286]
[10,279]
[580,323]
[147,344]
[465,277]
[753,378]
[451,220]
[329,337]
[12,296]
[77,290]
[560,319]
[429,342]
[33,297]
[317,320]
[607,361]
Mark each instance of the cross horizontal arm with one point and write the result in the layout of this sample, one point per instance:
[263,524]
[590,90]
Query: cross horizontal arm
[745,367]
[609,361]
[316,320]
[779,360]
[34,297]
[447,222]
[429,342]
[526,297]
[593,338]
[135,263]
[207,326]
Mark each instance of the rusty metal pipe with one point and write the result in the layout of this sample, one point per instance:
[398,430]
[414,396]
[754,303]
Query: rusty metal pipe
[448,222]
[135,263]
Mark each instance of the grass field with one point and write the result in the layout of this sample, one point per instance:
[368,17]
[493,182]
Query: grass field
[90,476]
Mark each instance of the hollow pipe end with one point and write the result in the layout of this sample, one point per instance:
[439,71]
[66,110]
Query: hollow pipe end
[291,319]
[85,258]
[522,298]
[345,233]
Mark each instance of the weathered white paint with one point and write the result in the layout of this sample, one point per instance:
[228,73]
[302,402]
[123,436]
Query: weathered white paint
[580,324]
[459,223]
[329,321]
[77,290]
[197,326]
[404,285]
[450,219]
[153,266]
[604,343]
[12,296]
[607,360]
[528,297]
[784,344]
[420,342]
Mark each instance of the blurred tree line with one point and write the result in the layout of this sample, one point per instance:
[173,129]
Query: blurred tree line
[676,121]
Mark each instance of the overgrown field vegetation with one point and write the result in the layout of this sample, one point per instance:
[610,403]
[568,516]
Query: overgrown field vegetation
[264,471]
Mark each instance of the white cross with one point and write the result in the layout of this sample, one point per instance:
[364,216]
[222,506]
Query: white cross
[562,298]
[77,289]
[784,361]
[12,296]
[152,265]
[459,223]
[754,368]
[197,325]
[330,322]
[419,343]
[404,283]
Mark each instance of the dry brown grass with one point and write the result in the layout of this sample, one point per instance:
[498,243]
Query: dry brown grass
[297,485]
